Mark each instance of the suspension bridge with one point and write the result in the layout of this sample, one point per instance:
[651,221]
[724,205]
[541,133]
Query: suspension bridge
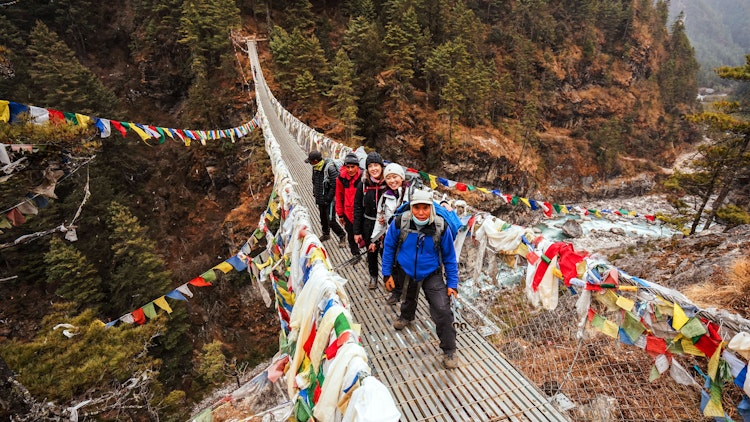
[485,386]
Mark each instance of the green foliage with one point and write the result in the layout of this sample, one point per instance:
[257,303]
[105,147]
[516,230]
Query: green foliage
[205,28]
[60,80]
[14,76]
[297,52]
[212,363]
[678,76]
[77,280]
[733,215]
[606,144]
[94,361]
[342,94]
[137,272]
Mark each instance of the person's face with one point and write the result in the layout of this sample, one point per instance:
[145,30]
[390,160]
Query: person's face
[375,170]
[394,181]
[351,169]
[421,211]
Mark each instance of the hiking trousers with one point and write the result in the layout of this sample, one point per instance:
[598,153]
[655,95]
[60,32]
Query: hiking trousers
[328,221]
[436,293]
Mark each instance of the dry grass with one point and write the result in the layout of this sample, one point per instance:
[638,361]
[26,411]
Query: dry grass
[733,295]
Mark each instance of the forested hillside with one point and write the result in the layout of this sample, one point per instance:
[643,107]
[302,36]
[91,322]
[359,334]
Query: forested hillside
[718,31]
[568,98]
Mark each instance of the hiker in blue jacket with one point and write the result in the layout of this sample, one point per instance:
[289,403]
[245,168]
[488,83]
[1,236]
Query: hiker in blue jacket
[422,245]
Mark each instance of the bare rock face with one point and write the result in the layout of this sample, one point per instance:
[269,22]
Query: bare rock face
[572,228]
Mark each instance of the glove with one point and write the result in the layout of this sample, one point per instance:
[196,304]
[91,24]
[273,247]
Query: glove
[452,292]
[390,284]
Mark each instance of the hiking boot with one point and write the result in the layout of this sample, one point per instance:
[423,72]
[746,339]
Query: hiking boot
[325,237]
[394,299]
[399,324]
[450,360]
[373,282]
[342,242]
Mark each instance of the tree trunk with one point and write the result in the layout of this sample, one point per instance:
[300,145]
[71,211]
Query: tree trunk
[729,180]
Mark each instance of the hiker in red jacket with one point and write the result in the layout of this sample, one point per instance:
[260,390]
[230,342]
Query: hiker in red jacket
[346,189]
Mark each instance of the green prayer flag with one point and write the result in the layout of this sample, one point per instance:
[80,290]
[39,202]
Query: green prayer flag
[424,176]
[341,324]
[557,208]
[209,276]
[598,321]
[514,200]
[162,138]
[693,328]
[654,374]
[675,348]
[470,187]
[149,310]
[71,117]
[632,326]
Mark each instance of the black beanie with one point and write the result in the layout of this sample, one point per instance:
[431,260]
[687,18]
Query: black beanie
[374,157]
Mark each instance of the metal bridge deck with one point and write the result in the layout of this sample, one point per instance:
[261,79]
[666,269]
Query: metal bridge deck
[484,387]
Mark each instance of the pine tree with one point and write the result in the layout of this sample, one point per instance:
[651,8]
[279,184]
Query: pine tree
[722,163]
[77,279]
[205,28]
[678,76]
[138,274]
[95,361]
[342,93]
[61,81]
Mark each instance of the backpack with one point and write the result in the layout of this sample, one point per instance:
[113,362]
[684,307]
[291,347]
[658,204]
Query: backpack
[449,218]
[402,221]
[337,165]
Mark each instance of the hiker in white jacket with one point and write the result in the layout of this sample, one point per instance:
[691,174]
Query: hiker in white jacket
[396,194]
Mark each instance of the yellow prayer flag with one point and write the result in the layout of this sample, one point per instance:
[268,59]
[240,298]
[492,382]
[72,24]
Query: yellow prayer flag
[484,190]
[689,348]
[581,268]
[557,273]
[564,209]
[168,132]
[144,136]
[317,255]
[713,364]
[678,317]
[433,181]
[625,303]
[713,410]
[610,328]
[83,120]
[526,201]
[162,303]
[4,111]
[224,267]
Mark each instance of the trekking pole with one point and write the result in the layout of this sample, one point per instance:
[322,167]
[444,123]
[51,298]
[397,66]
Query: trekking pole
[349,261]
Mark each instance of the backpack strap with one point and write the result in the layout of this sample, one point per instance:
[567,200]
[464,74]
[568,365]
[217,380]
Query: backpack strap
[402,224]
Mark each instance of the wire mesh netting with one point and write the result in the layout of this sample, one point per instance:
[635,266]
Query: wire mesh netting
[591,375]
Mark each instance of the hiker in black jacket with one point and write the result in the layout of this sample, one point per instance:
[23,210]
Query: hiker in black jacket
[324,173]
[369,190]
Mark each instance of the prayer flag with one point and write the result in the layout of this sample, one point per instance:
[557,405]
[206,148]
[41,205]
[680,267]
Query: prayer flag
[149,310]
[162,303]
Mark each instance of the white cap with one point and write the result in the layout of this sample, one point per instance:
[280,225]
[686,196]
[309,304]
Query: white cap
[420,196]
[396,169]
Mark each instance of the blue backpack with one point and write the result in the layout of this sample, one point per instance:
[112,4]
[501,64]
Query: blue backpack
[451,218]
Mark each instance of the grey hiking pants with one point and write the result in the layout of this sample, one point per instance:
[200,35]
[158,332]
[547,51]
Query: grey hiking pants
[436,293]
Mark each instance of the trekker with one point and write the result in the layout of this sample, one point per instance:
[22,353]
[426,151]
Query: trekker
[324,173]
[420,242]
[346,189]
[369,191]
[395,194]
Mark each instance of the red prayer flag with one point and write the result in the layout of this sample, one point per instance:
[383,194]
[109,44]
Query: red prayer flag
[138,316]
[310,339]
[15,217]
[199,282]
[56,115]
[650,218]
[547,209]
[707,345]
[117,125]
[460,186]
[655,345]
